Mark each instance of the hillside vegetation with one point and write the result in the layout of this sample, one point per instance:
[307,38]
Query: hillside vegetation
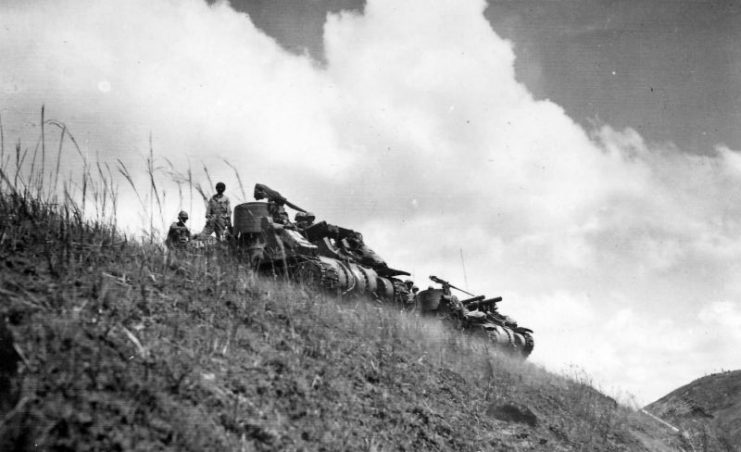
[109,343]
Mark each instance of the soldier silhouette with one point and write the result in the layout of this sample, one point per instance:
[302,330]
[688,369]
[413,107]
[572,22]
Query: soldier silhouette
[179,235]
[218,214]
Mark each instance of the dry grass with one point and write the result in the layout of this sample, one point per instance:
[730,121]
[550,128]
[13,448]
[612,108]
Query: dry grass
[129,347]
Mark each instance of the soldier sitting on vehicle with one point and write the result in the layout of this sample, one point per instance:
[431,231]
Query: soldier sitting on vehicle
[450,306]
[218,214]
[357,248]
[303,220]
[179,235]
[343,243]
[276,204]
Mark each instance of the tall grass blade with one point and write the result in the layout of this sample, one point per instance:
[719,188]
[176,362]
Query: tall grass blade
[208,176]
[104,184]
[85,173]
[2,143]
[190,186]
[19,159]
[200,191]
[239,179]
[53,187]
[5,179]
[114,195]
[125,173]
[153,192]
[43,153]
[32,182]
[178,178]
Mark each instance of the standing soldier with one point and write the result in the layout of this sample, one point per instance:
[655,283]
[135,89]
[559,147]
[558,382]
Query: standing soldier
[218,214]
[179,235]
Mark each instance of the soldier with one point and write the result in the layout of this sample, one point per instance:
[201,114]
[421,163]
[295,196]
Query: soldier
[450,307]
[360,251]
[304,220]
[276,203]
[179,235]
[278,212]
[218,214]
[411,295]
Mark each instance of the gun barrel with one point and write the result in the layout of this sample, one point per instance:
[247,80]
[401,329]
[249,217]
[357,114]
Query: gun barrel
[446,283]
[438,280]
[471,300]
[262,191]
[294,206]
[481,303]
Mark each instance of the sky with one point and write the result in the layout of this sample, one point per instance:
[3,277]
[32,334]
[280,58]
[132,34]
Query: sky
[489,144]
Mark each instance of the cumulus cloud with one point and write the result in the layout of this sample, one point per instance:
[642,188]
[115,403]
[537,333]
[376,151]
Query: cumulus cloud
[417,133]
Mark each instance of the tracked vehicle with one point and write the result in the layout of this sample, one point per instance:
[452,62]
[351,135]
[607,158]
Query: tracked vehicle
[477,315]
[321,255]
[337,260]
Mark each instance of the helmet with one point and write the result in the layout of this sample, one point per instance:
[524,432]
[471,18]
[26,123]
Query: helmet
[220,186]
[304,216]
[183,215]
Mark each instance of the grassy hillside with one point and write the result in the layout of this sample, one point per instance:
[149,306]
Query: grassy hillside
[114,344]
[707,409]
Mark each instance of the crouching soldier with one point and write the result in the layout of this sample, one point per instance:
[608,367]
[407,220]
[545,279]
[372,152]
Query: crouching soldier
[179,235]
[218,214]
[360,251]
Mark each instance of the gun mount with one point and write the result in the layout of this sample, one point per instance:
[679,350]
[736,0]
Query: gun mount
[446,284]
[262,191]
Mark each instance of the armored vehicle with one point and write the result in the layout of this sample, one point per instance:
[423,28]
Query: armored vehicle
[476,314]
[337,259]
[321,255]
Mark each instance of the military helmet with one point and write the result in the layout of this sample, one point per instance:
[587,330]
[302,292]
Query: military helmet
[183,215]
[304,216]
[220,186]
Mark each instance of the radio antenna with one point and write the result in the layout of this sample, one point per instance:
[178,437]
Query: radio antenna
[463,264]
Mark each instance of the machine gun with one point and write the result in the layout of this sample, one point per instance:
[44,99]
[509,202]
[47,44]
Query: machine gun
[349,244]
[446,284]
[476,302]
[482,303]
[264,192]
[318,231]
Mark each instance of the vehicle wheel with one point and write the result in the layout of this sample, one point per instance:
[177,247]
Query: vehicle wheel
[309,274]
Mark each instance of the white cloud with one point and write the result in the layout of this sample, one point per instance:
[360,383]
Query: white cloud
[417,133]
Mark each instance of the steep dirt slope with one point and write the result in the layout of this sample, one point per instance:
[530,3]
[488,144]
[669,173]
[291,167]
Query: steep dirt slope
[707,409]
[116,345]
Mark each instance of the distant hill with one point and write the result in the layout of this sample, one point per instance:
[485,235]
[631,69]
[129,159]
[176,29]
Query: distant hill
[708,410]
